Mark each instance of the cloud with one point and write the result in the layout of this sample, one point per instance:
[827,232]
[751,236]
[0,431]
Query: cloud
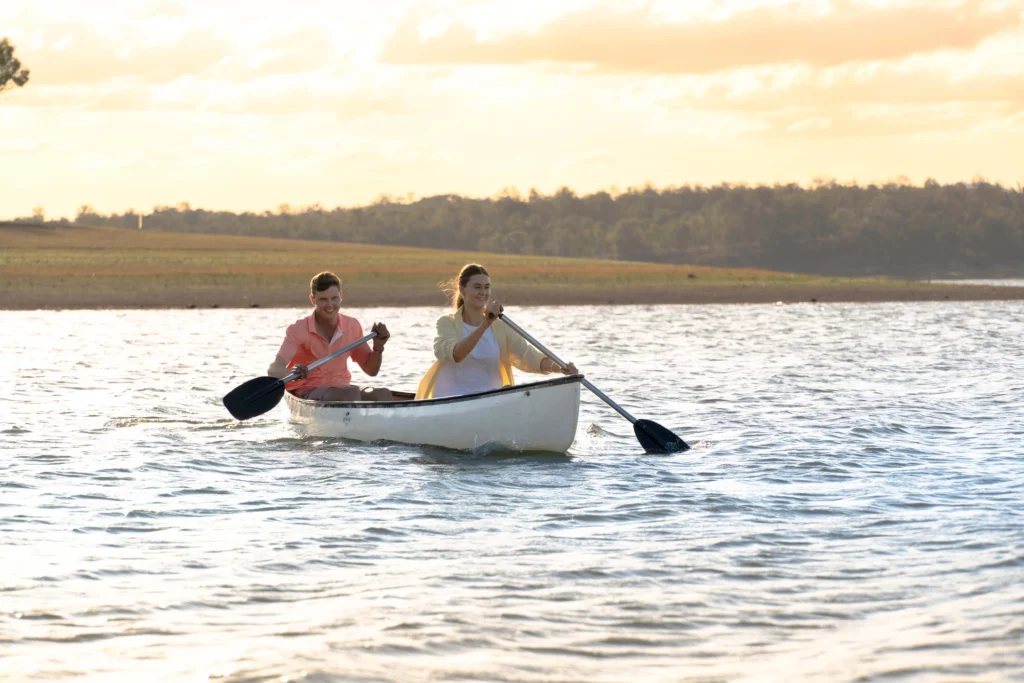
[344,103]
[591,161]
[84,97]
[164,9]
[25,146]
[852,101]
[812,89]
[888,121]
[123,99]
[641,41]
[72,53]
[302,51]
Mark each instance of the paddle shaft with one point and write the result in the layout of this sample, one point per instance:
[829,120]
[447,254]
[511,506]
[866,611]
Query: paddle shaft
[586,382]
[331,356]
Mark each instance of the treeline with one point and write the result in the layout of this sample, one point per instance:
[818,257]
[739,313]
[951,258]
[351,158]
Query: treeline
[829,228]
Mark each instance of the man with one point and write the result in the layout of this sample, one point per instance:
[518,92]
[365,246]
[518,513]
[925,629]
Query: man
[315,336]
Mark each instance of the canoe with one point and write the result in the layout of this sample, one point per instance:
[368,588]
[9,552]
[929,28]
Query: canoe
[540,416]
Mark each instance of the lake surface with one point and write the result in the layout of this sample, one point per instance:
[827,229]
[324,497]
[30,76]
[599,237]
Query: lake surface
[852,509]
[1001,282]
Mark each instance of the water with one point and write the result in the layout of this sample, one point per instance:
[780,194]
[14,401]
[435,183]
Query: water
[1001,282]
[852,508]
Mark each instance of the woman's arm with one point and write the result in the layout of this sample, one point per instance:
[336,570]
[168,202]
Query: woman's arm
[445,339]
[528,359]
[468,343]
[522,354]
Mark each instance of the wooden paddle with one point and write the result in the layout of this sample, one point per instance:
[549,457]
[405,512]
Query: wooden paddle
[652,436]
[259,395]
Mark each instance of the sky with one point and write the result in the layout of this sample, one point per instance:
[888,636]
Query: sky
[248,106]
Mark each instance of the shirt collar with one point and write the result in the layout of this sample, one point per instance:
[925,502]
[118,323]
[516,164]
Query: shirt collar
[311,326]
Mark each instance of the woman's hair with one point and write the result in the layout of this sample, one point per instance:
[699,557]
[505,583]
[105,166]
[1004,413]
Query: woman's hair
[451,287]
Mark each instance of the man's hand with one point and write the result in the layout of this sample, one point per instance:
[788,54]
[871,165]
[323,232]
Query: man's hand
[279,369]
[382,337]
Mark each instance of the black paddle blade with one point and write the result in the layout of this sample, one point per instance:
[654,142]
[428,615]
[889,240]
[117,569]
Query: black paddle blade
[656,439]
[255,397]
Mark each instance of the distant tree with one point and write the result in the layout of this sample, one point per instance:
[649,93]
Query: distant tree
[828,227]
[86,215]
[38,214]
[11,73]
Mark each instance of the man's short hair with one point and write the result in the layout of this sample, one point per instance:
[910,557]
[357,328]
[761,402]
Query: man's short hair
[321,282]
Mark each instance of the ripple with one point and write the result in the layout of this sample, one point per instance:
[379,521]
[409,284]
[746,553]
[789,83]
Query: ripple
[196,492]
[849,508]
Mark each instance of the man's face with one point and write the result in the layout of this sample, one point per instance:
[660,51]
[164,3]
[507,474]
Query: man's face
[327,302]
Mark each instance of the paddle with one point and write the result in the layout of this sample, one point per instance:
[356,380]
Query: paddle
[259,395]
[652,436]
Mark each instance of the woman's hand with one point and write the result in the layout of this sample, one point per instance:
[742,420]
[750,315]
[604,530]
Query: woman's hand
[301,370]
[492,312]
[548,365]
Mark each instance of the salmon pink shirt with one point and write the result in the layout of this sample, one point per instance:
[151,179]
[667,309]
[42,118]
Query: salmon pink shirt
[303,344]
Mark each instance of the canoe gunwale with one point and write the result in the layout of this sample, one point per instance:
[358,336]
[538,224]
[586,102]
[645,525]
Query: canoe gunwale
[513,388]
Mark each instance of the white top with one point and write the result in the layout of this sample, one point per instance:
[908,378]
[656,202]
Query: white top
[479,371]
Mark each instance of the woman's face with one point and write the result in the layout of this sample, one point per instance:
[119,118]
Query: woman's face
[477,292]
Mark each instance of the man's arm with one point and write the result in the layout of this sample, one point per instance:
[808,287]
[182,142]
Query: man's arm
[289,347]
[279,368]
[370,363]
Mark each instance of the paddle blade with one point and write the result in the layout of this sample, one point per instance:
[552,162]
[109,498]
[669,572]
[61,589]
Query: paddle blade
[656,439]
[255,397]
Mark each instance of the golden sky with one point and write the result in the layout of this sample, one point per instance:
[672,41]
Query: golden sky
[248,105]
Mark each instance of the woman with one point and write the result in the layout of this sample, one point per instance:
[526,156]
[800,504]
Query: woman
[475,350]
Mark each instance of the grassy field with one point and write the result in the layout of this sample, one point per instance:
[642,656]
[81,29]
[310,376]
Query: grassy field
[58,267]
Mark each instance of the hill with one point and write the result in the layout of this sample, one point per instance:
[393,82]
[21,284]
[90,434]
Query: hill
[897,230]
[68,266]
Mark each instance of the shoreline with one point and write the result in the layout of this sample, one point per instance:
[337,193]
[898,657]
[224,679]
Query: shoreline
[367,297]
[78,268]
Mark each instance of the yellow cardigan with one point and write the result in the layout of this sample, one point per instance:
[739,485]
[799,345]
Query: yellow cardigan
[514,351]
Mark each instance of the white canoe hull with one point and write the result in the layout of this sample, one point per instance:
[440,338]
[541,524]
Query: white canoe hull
[541,416]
